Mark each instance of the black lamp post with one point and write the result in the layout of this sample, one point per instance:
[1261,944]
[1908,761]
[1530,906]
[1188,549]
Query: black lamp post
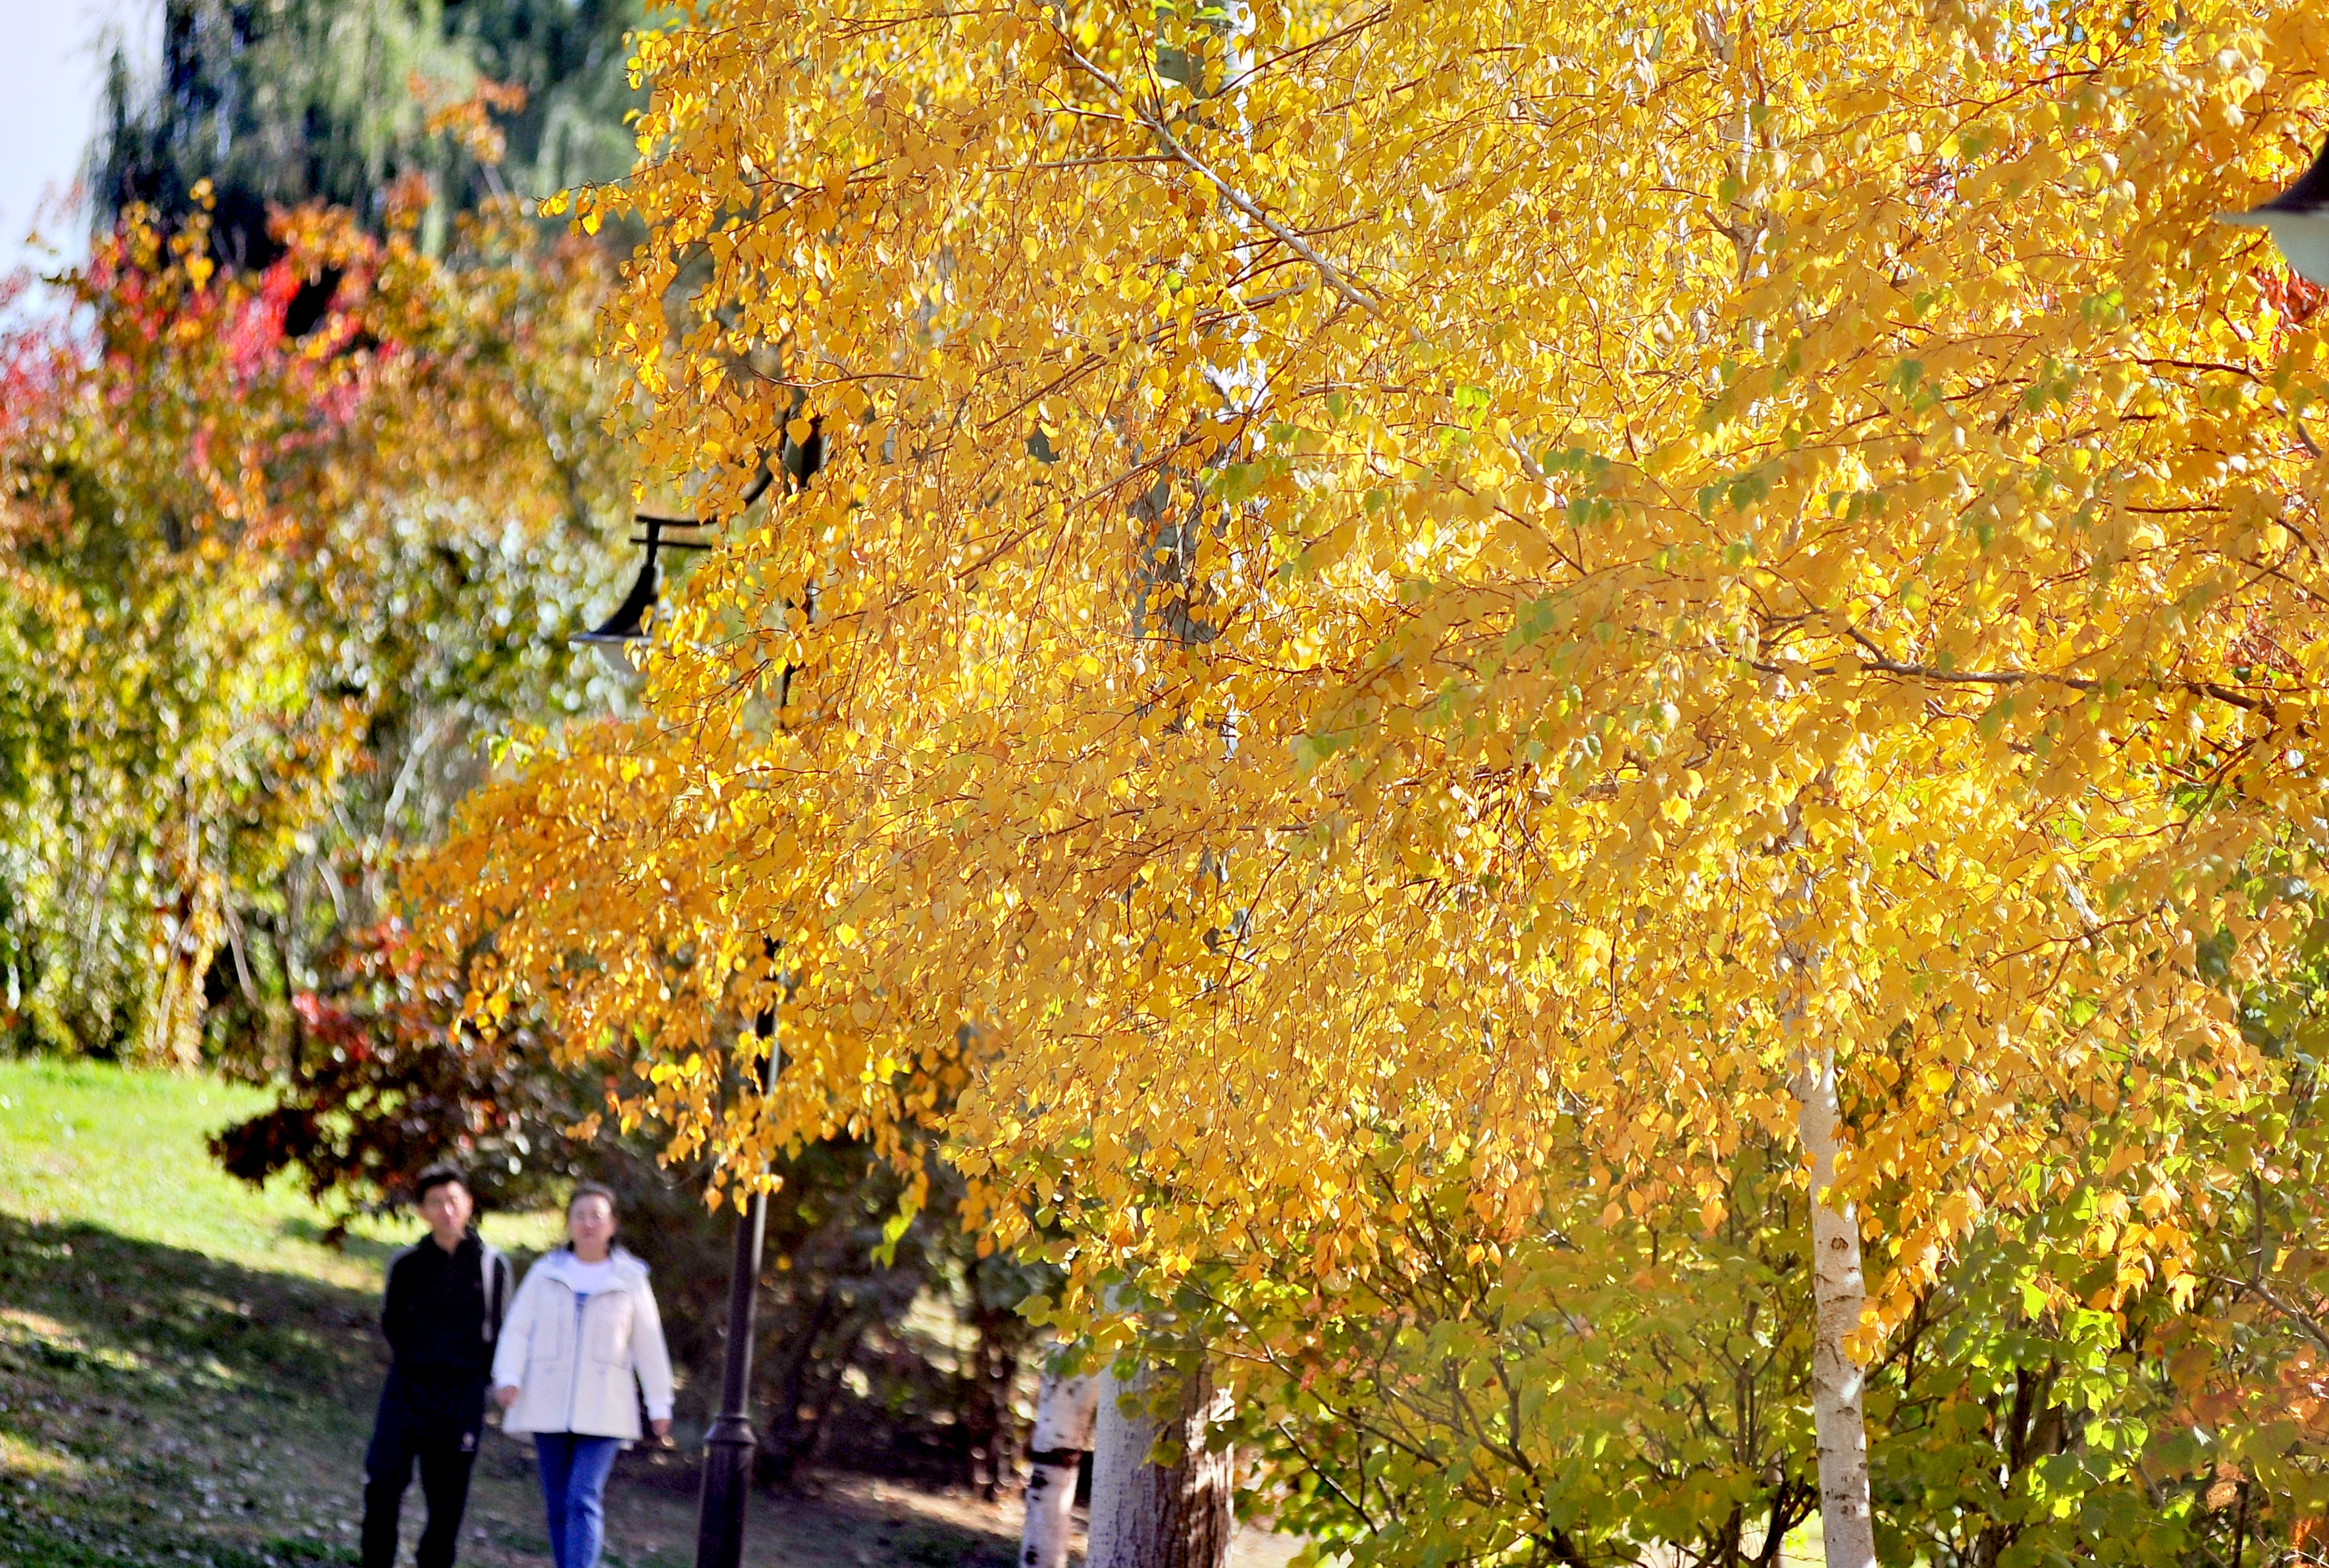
[729,1445]
[629,622]
[729,1442]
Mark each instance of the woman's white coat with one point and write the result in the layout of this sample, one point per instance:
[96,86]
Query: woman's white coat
[574,1369]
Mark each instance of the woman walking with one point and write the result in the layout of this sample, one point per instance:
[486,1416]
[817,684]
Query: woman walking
[582,1330]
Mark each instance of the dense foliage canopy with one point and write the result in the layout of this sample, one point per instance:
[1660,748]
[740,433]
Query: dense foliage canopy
[1398,571]
[1503,613]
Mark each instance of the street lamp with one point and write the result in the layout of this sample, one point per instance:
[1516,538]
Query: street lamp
[629,624]
[729,1442]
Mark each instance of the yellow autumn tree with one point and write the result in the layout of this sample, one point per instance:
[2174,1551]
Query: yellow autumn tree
[1387,572]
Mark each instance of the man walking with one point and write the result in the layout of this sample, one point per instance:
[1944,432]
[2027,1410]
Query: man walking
[445,1295]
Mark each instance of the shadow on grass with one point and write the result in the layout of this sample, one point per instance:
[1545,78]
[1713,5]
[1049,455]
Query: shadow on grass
[300,1228]
[173,1316]
[156,1403]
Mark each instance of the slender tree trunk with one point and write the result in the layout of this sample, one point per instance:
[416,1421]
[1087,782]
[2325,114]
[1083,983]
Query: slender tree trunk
[1153,1515]
[1177,1516]
[1065,1412]
[1839,1292]
[987,1417]
[1839,1289]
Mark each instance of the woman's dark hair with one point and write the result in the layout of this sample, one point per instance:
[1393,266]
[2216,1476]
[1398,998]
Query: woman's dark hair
[592,1190]
[443,1173]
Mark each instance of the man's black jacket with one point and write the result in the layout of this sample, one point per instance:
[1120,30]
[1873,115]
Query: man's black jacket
[444,1310]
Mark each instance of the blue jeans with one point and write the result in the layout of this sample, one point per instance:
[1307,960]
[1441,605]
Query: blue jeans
[573,1479]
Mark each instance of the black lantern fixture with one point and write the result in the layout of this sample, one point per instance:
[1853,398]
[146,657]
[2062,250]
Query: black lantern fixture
[629,622]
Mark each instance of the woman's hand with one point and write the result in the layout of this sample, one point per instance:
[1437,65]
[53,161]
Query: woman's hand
[505,1395]
[662,1427]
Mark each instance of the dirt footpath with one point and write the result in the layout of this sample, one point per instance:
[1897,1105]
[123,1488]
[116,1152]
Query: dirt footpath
[829,1520]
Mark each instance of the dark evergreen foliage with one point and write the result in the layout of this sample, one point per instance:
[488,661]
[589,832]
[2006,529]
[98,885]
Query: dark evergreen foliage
[280,102]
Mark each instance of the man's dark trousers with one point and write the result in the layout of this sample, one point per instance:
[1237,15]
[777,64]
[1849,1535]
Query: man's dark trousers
[434,1418]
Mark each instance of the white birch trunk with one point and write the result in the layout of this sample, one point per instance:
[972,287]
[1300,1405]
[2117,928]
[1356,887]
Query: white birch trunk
[1064,1414]
[1150,1516]
[1839,1290]
[1839,1294]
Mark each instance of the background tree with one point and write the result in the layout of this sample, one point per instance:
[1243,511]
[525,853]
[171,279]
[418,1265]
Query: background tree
[268,590]
[382,534]
[281,103]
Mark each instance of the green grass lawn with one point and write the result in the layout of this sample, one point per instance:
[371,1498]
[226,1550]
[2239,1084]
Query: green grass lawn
[186,1367]
[187,1371]
[84,1143]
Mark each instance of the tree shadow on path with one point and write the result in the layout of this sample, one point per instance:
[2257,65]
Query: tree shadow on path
[155,1401]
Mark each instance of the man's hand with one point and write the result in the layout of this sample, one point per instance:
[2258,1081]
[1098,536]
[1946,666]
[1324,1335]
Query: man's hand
[661,1427]
[505,1395]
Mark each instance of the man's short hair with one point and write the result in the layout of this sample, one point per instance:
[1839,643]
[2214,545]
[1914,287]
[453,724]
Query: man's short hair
[593,1190]
[438,1176]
